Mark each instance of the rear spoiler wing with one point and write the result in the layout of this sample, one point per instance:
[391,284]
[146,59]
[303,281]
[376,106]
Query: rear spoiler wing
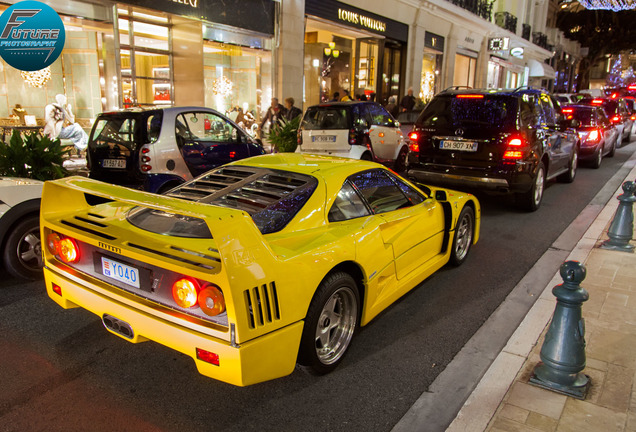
[237,239]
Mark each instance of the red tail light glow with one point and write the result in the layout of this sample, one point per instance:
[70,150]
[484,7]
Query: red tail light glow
[211,300]
[232,154]
[145,150]
[567,110]
[515,142]
[593,136]
[513,154]
[632,87]
[633,117]
[616,119]
[146,167]
[470,96]
[207,356]
[514,150]
[414,136]
[353,139]
[68,251]
[414,147]
[614,95]
[597,101]
[145,159]
[185,292]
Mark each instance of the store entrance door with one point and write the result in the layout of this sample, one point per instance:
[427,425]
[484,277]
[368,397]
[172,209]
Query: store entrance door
[365,77]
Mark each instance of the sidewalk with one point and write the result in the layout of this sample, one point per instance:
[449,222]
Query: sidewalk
[505,401]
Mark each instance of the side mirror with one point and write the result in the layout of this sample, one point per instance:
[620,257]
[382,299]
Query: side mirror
[440,195]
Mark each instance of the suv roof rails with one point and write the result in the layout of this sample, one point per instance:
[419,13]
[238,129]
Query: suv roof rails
[530,88]
[456,88]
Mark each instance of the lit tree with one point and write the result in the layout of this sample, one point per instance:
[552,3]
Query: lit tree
[614,77]
[629,77]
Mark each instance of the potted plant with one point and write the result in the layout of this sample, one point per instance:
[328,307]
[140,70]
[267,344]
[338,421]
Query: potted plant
[32,156]
[284,136]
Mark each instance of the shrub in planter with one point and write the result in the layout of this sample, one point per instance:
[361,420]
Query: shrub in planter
[284,136]
[32,156]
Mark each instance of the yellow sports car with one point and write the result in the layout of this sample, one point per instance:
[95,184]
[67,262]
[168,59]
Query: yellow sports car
[256,265]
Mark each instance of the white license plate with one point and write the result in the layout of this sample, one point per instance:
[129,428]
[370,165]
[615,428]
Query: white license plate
[121,272]
[469,146]
[114,163]
[323,138]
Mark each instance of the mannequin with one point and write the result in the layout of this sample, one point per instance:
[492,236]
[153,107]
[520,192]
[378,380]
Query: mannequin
[60,123]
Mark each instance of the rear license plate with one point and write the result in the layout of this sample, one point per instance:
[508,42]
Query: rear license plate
[469,146]
[114,163]
[121,272]
[323,138]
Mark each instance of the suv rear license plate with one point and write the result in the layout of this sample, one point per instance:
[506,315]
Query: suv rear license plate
[114,163]
[323,138]
[469,146]
[121,272]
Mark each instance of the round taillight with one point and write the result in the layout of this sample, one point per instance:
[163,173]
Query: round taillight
[145,159]
[185,292]
[146,168]
[68,251]
[211,300]
[52,242]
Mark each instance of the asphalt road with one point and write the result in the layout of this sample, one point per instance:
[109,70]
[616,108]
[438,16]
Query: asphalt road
[60,370]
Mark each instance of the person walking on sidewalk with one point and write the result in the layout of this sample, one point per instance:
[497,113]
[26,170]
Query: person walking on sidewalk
[347,96]
[291,111]
[274,114]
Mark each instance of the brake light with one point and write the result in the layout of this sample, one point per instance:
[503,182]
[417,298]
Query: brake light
[146,167]
[211,300]
[414,147]
[145,150]
[633,117]
[616,119]
[208,357]
[145,159]
[353,139]
[185,292]
[614,96]
[414,136]
[593,136]
[56,289]
[232,154]
[632,87]
[470,96]
[514,149]
[567,110]
[597,101]
[52,240]
[68,251]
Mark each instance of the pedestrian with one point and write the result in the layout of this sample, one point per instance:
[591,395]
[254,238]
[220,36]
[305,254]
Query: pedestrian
[291,111]
[392,107]
[336,97]
[346,97]
[372,97]
[274,114]
[408,102]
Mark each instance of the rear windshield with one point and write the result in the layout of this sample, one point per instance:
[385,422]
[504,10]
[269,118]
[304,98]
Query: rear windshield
[326,117]
[271,197]
[584,115]
[128,130]
[449,111]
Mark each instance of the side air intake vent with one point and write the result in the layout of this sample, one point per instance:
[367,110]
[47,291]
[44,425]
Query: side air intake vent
[262,305]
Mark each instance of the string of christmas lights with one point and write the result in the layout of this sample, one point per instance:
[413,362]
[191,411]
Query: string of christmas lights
[613,5]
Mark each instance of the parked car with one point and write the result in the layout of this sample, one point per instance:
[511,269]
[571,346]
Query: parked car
[594,93]
[357,130]
[498,140]
[566,98]
[407,120]
[157,149]
[20,226]
[618,113]
[255,265]
[597,134]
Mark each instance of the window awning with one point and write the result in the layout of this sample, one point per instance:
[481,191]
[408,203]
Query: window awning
[540,70]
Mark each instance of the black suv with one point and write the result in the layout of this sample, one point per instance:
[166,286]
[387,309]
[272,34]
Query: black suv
[501,140]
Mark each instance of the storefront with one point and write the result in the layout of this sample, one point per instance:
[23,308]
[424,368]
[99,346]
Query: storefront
[194,52]
[431,66]
[351,50]
[466,56]
[152,53]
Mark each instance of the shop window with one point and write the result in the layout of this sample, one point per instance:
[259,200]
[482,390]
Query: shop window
[145,58]
[464,70]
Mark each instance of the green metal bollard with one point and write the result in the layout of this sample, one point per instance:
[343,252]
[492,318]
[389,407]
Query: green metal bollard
[563,350]
[622,227]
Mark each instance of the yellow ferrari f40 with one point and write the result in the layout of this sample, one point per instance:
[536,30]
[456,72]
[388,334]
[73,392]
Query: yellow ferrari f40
[254,266]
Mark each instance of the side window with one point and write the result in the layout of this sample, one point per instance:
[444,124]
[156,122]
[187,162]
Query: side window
[526,113]
[548,110]
[203,126]
[380,116]
[537,110]
[154,127]
[413,195]
[379,191]
[365,116]
[602,118]
[348,205]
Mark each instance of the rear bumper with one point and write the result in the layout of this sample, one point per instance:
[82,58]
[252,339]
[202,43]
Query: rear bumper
[518,179]
[267,357]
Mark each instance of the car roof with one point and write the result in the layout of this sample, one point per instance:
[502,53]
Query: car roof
[309,164]
[167,109]
[496,92]
[343,104]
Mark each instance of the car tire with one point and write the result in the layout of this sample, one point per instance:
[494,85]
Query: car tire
[22,253]
[531,200]
[400,162]
[598,158]
[568,177]
[612,151]
[330,323]
[463,237]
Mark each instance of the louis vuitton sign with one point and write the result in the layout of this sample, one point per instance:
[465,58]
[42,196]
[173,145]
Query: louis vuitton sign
[365,21]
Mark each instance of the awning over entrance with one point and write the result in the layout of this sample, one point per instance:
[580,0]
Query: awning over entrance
[540,70]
